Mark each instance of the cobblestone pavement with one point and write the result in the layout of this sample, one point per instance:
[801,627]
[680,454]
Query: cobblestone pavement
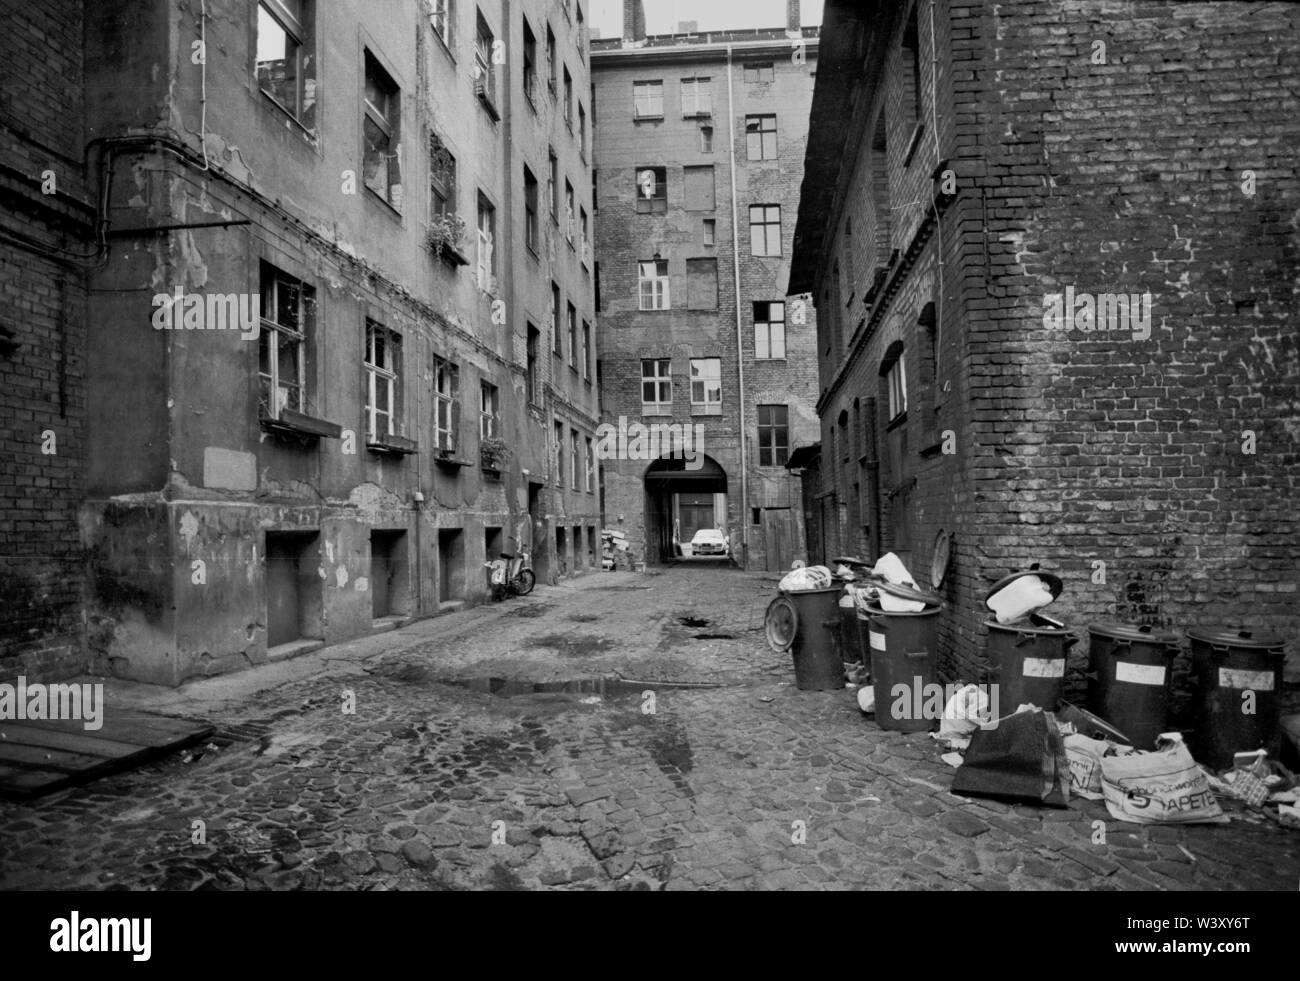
[751,784]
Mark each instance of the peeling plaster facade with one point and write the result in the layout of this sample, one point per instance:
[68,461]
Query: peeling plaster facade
[762,510]
[216,539]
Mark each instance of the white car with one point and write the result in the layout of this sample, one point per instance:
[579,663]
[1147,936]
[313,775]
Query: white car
[709,541]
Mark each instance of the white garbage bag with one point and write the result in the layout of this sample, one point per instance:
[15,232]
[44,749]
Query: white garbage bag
[812,577]
[965,712]
[890,568]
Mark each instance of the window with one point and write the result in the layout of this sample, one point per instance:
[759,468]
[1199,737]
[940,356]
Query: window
[283,51]
[530,210]
[559,453]
[710,231]
[652,284]
[773,435]
[575,451]
[699,188]
[765,229]
[706,386]
[706,139]
[569,216]
[652,190]
[441,19]
[573,337]
[760,71]
[442,177]
[382,167]
[760,137]
[530,64]
[568,99]
[590,457]
[697,97]
[896,382]
[582,131]
[769,331]
[582,227]
[702,284]
[656,387]
[489,416]
[586,352]
[550,60]
[446,403]
[556,313]
[485,80]
[286,314]
[532,379]
[383,366]
[487,235]
[648,100]
[553,188]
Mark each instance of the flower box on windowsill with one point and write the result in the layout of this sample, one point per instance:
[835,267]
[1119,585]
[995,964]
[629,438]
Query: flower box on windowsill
[453,256]
[448,459]
[491,472]
[392,445]
[299,425]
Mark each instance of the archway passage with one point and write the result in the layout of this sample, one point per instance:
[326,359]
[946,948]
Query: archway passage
[680,501]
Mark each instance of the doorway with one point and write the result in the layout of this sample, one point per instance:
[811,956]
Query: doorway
[293,588]
[451,564]
[389,581]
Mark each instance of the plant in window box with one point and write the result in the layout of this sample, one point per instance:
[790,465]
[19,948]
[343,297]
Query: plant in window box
[493,451]
[443,237]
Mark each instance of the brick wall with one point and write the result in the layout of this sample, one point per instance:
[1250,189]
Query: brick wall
[1071,447]
[42,337]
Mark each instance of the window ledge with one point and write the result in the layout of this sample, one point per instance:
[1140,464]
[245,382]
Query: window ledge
[648,119]
[452,255]
[310,135]
[375,195]
[446,459]
[392,446]
[299,425]
[489,106]
[913,143]
[897,421]
[701,410]
[492,472]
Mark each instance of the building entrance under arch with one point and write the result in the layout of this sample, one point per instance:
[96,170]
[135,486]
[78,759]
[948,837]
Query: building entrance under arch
[679,502]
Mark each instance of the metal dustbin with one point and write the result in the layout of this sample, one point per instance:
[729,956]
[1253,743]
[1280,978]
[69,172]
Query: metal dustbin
[903,652]
[1129,677]
[1228,665]
[806,622]
[1027,653]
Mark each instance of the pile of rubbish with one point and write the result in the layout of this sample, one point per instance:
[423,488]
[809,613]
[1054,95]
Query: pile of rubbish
[1047,757]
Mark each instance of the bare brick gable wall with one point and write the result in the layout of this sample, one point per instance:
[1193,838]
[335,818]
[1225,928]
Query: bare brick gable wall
[1074,447]
[42,338]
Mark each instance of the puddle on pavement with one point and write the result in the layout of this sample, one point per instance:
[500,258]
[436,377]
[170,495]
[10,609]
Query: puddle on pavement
[715,636]
[695,623]
[571,645]
[603,687]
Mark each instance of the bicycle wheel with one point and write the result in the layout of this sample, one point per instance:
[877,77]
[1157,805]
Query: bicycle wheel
[525,582]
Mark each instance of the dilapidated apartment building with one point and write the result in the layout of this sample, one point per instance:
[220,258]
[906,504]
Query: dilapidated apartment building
[1053,248]
[338,344]
[700,140]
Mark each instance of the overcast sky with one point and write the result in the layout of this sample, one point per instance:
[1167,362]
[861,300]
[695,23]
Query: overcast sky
[663,16]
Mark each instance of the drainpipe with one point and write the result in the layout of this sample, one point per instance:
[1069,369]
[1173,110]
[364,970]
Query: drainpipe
[740,356]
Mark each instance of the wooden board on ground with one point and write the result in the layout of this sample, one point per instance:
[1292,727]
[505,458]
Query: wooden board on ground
[39,756]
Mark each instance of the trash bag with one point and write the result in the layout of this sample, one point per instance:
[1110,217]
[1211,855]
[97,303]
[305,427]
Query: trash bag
[890,568]
[812,577]
[1085,755]
[1020,757]
[965,712]
[1164,787]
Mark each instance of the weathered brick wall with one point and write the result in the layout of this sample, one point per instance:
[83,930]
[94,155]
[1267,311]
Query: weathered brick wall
[42,337]
[1072,447]
[1127,177]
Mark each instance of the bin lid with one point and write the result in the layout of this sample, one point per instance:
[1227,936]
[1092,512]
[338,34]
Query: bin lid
[939,558]
[1117,630]
[908,593]
[1027,626]
[781,624]
[1235,638]
[1054,583]
[850,560]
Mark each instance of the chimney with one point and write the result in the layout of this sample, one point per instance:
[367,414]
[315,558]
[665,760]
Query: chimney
[633,20]
[793,18]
